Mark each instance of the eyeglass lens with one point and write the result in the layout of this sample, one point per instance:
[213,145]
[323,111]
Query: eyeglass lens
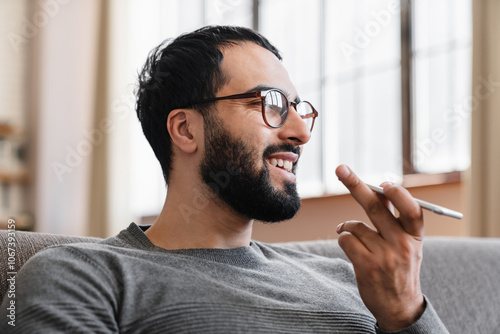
[276,109]
[305,111]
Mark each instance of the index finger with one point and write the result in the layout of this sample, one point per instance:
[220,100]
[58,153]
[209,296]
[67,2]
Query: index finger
[378,213]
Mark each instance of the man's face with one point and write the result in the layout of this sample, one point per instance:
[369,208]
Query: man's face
[249,190]
[237,135]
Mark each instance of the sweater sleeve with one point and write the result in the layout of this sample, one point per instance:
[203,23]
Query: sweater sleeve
[61,290]
[428,323]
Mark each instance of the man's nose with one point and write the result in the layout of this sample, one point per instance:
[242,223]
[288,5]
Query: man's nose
[295,129]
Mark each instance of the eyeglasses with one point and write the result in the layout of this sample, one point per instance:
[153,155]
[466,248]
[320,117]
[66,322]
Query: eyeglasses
[275,107]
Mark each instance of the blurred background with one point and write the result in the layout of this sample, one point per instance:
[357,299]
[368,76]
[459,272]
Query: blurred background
[408,91]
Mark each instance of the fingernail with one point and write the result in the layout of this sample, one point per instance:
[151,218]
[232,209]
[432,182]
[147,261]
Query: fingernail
[343,171]
[339,227]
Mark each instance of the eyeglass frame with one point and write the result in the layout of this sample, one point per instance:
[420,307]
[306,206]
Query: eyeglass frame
[259,94]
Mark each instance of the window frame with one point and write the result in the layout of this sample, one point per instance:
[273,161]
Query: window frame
[411,177]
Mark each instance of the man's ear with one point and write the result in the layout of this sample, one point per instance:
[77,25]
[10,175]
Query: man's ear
[182,125]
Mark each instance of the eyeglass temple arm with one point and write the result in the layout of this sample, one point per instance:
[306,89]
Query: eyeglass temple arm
[230,97]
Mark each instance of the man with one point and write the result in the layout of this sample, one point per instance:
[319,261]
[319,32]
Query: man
[228,127]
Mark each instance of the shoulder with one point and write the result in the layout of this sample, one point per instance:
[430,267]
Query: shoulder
[329,267]
[65,285]
[101,255]
[74,262]
[322,253]
[320,249]
[67,253]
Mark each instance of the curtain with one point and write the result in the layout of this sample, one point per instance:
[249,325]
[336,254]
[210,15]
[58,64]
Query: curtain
[114,113]
[64,36]
[98,201]
[484,180]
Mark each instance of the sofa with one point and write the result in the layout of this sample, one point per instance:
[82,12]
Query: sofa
[460,276]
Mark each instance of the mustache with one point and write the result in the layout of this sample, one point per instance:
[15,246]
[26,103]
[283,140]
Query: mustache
[285,147]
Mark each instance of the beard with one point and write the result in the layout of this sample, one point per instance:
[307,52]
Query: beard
[229,169]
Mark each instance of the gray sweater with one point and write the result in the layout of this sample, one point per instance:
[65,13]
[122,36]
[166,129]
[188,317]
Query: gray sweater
[126,284]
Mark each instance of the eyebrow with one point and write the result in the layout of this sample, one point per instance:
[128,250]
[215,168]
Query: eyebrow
[265,87]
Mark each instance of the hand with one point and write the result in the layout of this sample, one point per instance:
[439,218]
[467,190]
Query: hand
[387,260]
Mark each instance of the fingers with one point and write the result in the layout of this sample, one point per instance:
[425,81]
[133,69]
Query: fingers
[388,204]
[380,210]
[411,217]
[378,213]
[366,235]
[353,247]
[387,260]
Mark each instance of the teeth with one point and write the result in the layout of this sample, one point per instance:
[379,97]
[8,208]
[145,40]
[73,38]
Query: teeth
[285,164]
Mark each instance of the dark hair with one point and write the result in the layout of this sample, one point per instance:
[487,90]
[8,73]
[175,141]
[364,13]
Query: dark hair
[179,72]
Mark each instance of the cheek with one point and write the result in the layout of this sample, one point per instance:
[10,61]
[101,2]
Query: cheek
[255,136]
[256,142]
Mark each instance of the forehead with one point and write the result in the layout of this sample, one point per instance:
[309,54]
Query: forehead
[248,65]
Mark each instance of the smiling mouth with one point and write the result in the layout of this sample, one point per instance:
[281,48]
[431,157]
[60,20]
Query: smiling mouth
[282,163]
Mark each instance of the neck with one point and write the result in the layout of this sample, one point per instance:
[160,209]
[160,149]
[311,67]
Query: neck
[192,219]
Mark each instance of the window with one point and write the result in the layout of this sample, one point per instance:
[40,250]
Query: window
[385,76]
[442,65]
[382,113]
